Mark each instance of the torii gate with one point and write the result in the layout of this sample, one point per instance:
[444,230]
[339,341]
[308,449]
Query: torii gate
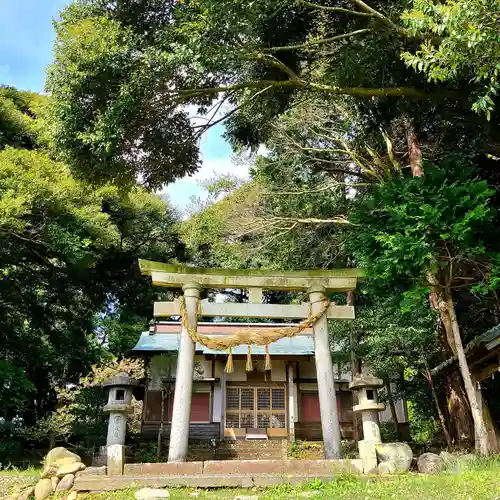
[316,283]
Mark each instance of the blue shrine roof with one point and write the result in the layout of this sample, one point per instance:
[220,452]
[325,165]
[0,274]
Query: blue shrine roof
[300,345]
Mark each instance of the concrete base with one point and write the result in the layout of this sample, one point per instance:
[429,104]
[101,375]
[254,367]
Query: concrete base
[219,474]
[368,456]
[116,459]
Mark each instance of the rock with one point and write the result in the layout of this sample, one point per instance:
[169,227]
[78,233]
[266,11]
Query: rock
[56,458]
[399,454]
[59,456]
[48,472]
[246,497]
[66,483]
[386,468]
[446,456]
[55,481]
[151,494]
[70,469]
[43,489]
[27,493]
[72,496]
[430,463]
[467,457]
[96,471]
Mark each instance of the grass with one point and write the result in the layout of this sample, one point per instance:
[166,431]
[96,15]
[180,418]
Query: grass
[480,481]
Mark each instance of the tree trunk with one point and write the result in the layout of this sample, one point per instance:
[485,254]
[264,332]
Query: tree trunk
[392,406]
[460,424]
[479,427]
[414,151]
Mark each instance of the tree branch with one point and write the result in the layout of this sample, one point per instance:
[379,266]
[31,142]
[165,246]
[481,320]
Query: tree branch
[312,43]
[339,10]
[408,92]
[378,15]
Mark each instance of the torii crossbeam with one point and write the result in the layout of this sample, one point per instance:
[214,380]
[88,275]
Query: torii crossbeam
[316,283]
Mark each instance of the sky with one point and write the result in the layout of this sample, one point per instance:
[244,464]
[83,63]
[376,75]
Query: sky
[26,39]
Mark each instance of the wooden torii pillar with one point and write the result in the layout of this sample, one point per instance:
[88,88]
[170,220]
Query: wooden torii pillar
[317,283]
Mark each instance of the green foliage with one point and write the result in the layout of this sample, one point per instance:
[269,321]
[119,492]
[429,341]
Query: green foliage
[19,127]
[436,223]
[70,283]
[108,118]
[78,417]
[461,42]
[423,430]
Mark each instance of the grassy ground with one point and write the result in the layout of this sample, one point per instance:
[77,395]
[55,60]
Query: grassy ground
[480,481]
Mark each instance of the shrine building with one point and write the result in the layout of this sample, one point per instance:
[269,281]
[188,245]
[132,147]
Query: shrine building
[280,403]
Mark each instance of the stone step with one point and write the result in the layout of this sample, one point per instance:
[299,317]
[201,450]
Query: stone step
[104,483]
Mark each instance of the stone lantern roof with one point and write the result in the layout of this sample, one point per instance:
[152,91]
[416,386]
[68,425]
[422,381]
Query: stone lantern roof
[365,380]
[121,380]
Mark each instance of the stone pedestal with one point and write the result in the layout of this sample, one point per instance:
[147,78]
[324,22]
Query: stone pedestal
[366,388]
[116,459]
[119,404]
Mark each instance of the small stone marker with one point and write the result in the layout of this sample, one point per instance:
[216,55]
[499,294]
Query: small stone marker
[151,494]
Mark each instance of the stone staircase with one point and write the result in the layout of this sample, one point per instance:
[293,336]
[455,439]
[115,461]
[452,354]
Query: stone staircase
[273,449]
[239,450]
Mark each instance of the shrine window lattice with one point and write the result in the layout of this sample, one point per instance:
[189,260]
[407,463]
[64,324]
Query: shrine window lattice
[255,407]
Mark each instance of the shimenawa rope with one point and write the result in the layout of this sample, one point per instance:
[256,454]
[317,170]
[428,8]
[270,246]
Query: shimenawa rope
[250,336]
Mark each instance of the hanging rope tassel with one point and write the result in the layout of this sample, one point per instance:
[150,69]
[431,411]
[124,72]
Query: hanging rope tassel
[249,359]
[229,365]
[268,359]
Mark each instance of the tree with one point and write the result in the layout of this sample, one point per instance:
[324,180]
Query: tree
[460,41]
[68,258]
[256,58]
[428,232]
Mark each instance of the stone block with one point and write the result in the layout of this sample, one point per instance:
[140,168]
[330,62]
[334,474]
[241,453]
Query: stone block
[116,459]
[158,469]
[243,467]
[316,467]
[96,471]
[368,456]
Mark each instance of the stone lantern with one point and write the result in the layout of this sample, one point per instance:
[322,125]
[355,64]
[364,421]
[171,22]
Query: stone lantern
[366,386]
[119,404]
